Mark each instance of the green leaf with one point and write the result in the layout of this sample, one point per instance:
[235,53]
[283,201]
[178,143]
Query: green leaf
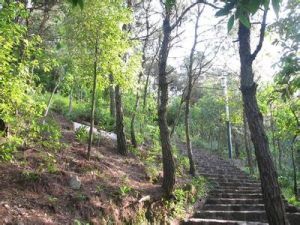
[77,2]
[276,6]
[230,23]
[226,10]
[245,21]
[266,3]
[222,12]
[253,6]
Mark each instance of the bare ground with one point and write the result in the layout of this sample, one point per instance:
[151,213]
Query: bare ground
[30,194]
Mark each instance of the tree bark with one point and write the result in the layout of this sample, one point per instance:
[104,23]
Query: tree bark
[187,133]
[247,147]
[51,96]
[236,145]
[167,156]
[177,117]
[279,155]
[274,206]
[132,122]
[273,133]
[70,101]
[112,102]
[93,103]
[294,168]
[121,138]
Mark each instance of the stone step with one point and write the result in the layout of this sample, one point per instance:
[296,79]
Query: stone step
[225,176]
[233,179]
[234,207]
[221,172]
[226,169]
[240,187]
[212,200]
[234,191]
[236,195]
[218,166]
[199,221]
[236,184]
[251,216]
[254,216]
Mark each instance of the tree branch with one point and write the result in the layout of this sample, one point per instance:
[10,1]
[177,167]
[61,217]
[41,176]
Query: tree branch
[261,36]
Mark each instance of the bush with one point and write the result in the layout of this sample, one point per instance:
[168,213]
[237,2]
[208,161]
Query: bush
[8,147]
[82,135]
[46,134]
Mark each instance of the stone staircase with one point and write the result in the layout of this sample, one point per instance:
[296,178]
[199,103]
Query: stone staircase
[235,198]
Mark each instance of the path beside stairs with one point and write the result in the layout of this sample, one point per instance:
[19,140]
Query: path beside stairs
[235,198]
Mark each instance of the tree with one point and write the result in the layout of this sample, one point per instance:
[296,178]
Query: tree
[103,45]
[269,180]
[168,160]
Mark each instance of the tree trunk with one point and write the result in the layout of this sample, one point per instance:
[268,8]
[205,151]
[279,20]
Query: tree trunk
[270,187]
[294,168]
[112,103]
[167,156]
[121,139]
[51,96]
[273,134]
[247,147]
[132,122]
[93,103]
[177,117]
[236,146]
[70,101]
[187,133]
[279,155]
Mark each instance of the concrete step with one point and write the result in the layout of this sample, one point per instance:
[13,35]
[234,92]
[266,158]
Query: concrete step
[233,179]
[212,200]
[236,195]
[236,184]
[198,221]
[235,191]
[253,216]
[238,188]
[234,207]
[225,176]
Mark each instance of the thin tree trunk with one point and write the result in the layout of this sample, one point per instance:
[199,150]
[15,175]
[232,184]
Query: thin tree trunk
[177,117]
[121,139]
[294,168]
[132,122]
[274,206]
[279,155]
[70,101]
[187,135]
[236,145]
[148,76]
[93,103]
[112,102]
[188,96]
[167,156]
[247,147]
[51,97]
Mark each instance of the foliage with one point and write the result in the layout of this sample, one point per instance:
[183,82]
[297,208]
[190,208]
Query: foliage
[82,135]
[124,190]
[241,10]
[9,147]
[46,134]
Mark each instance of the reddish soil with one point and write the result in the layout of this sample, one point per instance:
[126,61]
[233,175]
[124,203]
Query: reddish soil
[30,194]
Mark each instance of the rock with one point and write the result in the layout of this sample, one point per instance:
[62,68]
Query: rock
[75,182]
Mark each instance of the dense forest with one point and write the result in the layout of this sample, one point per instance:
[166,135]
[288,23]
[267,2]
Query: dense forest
[149,112]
